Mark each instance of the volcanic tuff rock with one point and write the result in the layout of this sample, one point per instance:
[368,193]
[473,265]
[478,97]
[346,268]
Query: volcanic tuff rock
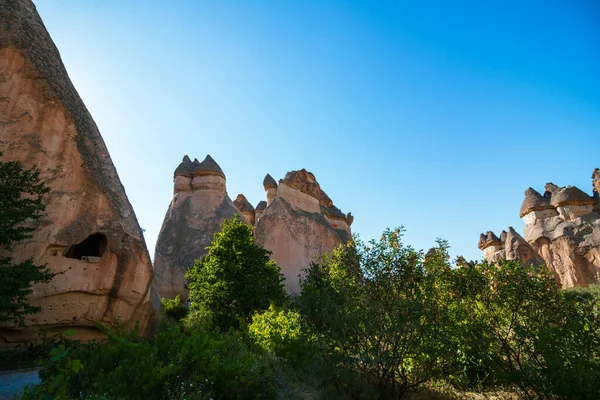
[244,206]
[562,230]
[199,206]
[90,233]
[299,224]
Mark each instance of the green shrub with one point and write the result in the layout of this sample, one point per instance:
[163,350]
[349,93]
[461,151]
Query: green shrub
[372,308]
[174,309]
[280,332]
[515,327]
[174,363]
[235,279]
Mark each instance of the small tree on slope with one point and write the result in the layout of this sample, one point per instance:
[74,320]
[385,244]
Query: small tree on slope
[21,203]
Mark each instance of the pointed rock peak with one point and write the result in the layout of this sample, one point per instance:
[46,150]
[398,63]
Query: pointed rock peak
[261,205]
[512,234]
[570,196]
[196,162]
[488,239]
[186,168]
[349,219]
[550,188]
[534,201]
[269,182]
[242,204]
[208,167]
[503,236]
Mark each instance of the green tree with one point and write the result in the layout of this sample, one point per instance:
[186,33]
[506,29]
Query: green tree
[374,308]
[235,279]
[21,205]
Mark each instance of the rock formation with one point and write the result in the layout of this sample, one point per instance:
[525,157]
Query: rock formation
[299,224]
[90,233]
[244,207]
[562,230]
[199,206]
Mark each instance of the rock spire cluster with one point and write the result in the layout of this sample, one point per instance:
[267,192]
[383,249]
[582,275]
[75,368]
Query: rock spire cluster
[562,231]
[297,222]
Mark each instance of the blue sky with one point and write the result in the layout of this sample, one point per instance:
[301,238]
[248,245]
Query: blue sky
[435,115]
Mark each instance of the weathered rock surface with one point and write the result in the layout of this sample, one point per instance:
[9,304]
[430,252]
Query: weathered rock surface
[244,207]
[199,206]
[299,224]
[90,234]
[562,230]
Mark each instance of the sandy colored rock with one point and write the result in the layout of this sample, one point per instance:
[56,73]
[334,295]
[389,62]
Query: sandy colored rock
[244,207]
[90,234]
[299,225]
[562,230]
[305,182]
[192,219]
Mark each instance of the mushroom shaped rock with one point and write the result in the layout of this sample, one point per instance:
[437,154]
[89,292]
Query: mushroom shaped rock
[488,239]
[89,234]
[244,206]
[570,196]
[192,219]
[534,201]
[269,182]
[208,167]
[261,206]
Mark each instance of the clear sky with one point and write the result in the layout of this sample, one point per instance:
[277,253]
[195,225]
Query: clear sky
[435,115]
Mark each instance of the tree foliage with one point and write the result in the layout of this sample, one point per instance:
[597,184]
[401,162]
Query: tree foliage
[234,279]
[374,308]
[21,206]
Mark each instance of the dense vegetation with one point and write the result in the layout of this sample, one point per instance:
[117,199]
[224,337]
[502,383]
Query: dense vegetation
[375,321]
[21,207]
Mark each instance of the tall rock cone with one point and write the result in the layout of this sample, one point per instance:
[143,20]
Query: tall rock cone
[90,233]
[299,224]
[199,206]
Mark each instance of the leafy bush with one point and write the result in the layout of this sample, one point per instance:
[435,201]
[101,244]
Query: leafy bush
[174,309]
[513,326]
[174,363]
[21,203]
[373,310]
[235,279]
[280,332]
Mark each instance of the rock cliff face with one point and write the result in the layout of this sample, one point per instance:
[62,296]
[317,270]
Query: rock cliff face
[299,224]
[562,230]
[200,205]
[90,234]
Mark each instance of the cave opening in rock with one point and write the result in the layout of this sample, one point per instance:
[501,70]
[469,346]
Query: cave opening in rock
[93,246]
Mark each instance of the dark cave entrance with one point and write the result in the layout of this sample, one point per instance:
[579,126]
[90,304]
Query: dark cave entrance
[93,246]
